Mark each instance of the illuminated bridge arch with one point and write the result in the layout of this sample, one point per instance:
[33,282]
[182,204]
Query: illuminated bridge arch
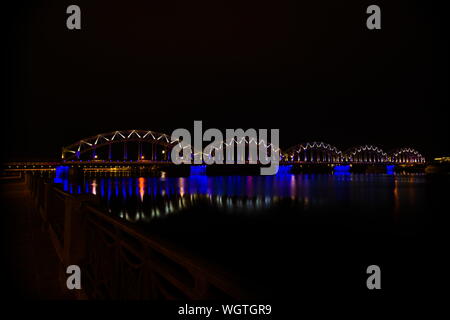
[240,149]
[406,155]
[365,154]
[124,145]
[313,152]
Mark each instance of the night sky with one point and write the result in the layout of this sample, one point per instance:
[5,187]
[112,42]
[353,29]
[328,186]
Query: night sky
[310,68]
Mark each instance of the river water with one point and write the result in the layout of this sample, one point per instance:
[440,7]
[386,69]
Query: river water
[145,199]
[292,230]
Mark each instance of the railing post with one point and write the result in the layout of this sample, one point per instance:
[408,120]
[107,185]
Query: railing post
[27,180]
[48,189]
[74,229]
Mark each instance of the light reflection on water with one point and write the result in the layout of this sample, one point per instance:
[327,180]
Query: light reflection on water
[146,198]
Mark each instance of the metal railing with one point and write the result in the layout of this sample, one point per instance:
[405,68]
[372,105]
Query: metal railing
[118,261]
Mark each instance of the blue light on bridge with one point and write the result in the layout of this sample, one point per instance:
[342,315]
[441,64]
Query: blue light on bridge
[284,169]
[61,172]
[341,169]
[345,168]
[62,176]
[198,170]
[390,169]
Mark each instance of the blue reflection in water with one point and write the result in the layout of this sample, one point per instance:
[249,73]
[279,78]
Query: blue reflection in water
[145,198]
[102,188]
[198,170]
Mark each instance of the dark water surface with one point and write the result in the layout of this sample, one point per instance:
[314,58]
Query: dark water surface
[289,232]
[146,199]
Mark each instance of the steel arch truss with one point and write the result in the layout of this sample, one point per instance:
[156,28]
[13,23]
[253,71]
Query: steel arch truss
[405,156]
[313,152]
[365,154]
[240,150]
[91,144]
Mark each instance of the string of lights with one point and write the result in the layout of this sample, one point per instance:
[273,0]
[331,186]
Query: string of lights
[308,151]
